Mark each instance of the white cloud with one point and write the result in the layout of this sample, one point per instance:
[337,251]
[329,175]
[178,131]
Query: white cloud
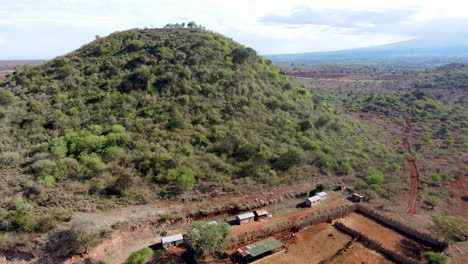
[59,26]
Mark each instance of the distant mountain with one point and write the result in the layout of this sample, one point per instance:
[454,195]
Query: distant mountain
[415,52]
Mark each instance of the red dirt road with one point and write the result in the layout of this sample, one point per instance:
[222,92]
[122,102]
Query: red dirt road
[414,173]
[333,199]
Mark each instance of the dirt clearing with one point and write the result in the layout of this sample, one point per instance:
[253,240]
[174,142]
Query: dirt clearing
[389,238]
[311,245]
[358,254]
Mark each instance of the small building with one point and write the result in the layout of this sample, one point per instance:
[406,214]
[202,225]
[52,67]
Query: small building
[261,215]
[322,195]
[245,218]
[259,249]
[174,240]
[357,198]
[313,201]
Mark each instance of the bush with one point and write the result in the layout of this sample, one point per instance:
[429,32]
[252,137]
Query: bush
[60,214]
[433,200]
[374,176]
[83,240]
[360,184]
[375,187]
[9,159]
[117,129]
[436,177]
[140,257]
[451,227]
[166,217]
[320,187]
[435,258]
[208,239]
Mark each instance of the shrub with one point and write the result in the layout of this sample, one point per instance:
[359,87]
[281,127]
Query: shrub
[82,240]
[117,129]
[60,214]
[451,227]
[9,159]
[320,187]
[375,187]
[140,257]
[208,239]
[166,217]
[48,180]
[433,200]
[435,258]
[374,176]
[360,184]
[436,177]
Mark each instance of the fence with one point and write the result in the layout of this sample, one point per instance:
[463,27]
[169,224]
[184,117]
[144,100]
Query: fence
[423,237]
[372,244]
[312,219]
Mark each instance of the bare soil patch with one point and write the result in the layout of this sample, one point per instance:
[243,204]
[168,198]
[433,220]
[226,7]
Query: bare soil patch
[358,254]
[389,238]
[311,245]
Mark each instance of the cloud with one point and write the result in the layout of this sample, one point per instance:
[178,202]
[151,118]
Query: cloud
[344,18]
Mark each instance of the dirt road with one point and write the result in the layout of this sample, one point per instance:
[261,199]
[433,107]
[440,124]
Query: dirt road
[414,173]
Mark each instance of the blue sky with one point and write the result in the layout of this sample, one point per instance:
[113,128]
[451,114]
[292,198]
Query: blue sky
[43,29]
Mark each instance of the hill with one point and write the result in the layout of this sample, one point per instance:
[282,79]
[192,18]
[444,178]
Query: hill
[149,114]
[414,53]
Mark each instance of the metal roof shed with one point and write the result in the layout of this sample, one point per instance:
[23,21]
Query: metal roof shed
[171,239]
[259,248]
[245,216]
[314,198]
[322,195]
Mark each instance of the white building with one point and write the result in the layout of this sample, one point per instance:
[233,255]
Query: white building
[173,240]
[322,195]
[313,201]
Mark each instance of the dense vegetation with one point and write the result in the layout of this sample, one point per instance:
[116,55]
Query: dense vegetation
[452,76]
[145,114]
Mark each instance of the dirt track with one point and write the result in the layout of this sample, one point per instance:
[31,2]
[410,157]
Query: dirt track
[414,173]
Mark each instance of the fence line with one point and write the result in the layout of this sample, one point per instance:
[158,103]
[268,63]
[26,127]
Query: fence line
[424,237]
[372,244]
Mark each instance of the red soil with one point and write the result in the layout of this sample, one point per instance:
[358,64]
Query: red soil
[358,254]
[389,238]
[414,173]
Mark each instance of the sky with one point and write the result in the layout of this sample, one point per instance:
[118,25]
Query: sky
[44,29]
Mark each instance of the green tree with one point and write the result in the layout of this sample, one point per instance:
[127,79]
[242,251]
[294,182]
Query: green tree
[208,239]
[192,24]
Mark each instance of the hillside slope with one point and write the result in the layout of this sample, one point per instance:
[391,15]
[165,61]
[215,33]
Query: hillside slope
[146,114]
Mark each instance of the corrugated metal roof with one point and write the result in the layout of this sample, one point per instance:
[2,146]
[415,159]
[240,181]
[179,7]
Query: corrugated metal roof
[173,238]
[260,247]
[261,212]
[246,215]
[322,194]
[314,198]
